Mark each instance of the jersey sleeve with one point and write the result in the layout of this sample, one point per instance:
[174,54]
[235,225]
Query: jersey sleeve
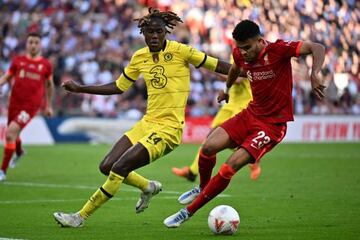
[288,48]
[13,66]
[198,58]
[128,76]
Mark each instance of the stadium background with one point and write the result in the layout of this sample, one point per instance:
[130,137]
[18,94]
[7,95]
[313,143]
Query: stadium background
[305,191]
[92,41]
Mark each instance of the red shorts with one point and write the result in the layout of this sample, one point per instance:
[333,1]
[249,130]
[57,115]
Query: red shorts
[255,136]
[21,115]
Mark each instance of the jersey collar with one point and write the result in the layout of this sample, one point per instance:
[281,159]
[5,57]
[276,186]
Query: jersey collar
[262,52]
[35,59]
[165,45]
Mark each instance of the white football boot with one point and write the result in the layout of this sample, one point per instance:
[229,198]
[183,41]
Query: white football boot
[69,220]
[178,218]
[189,196]
[154,188]
[15,159]
[2,176]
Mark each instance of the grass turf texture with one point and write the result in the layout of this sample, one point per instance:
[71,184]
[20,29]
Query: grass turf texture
[306,191]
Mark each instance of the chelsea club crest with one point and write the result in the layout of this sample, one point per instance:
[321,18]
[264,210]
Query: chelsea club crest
[168,57]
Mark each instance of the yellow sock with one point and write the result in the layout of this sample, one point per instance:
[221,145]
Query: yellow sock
[104,193]
[136,180]
[194,168]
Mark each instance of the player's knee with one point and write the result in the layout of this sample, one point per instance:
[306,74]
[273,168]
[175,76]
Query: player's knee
[238,161]
[208,150]
[10,137]
[104,169]
[104,166]
[122,168]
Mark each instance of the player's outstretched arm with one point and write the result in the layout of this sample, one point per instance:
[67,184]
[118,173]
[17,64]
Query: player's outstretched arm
[231,78]
[223,67]
[49,94]
[5,78]
[105,89]
[318,54]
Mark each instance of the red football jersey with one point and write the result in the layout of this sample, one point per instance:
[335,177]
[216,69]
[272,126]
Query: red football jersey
[271,80]
[29,78]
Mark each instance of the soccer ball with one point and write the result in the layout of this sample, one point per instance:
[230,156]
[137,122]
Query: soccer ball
[223,219]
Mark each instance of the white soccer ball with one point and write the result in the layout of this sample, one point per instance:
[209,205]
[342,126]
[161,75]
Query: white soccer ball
[223,219]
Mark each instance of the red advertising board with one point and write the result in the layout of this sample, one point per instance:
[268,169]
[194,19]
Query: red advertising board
[196,129]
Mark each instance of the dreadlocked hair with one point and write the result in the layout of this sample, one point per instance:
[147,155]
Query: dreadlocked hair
[170,19]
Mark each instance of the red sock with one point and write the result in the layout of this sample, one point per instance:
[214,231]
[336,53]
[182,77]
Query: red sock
[216,185]
[9,149]
[19,149]
[206,165]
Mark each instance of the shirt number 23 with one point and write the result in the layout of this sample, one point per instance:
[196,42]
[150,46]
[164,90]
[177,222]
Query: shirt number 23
[260,140]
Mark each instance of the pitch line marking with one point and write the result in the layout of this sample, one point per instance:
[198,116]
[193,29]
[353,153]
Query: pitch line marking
[73,200]
[49,185]
[69,200]
[1,238]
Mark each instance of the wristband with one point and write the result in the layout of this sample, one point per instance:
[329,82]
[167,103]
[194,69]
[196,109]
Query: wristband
[226,90]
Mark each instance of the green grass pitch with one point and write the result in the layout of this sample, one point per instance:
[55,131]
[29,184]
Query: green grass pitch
[306,191]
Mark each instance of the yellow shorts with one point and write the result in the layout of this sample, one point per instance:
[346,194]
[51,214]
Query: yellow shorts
[158,139]
[222,115]
[240,96]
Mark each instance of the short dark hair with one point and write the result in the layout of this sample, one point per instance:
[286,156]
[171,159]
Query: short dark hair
[33,34]
[169,18]
[245,29]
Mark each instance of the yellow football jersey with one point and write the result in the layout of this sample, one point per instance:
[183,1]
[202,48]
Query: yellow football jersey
[239,96]
[167,80]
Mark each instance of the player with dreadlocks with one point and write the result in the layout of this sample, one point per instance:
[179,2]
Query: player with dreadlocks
[164,65]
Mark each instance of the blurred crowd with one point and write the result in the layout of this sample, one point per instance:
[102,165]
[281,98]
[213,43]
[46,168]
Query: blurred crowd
[91,41]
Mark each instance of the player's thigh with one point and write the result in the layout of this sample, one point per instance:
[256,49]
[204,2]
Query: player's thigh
[21,116]
[240,158]
[137,132]
[13,129]
[237,127]
[262,138]
[229,134]
[119,148]
[218,140]
[135,157]
[160,140]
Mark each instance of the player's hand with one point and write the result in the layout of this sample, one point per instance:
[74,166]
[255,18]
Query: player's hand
[317,86]
[71,86]
[49,112]
[222,96]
